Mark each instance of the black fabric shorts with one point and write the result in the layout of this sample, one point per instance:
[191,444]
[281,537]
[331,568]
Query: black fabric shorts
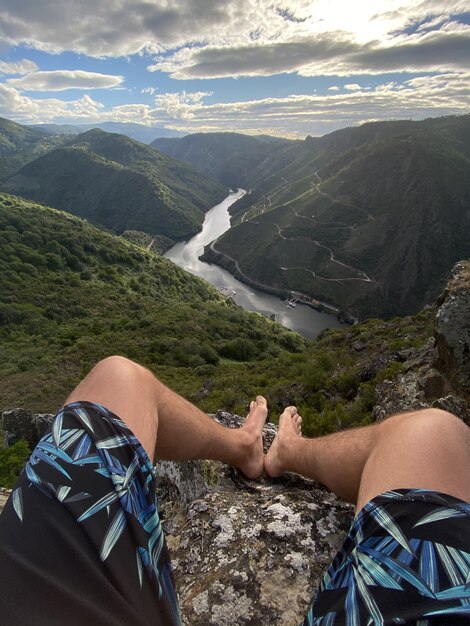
[405,560]
[80,537]
[81,543]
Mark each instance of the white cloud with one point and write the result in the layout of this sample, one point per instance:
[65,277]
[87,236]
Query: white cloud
[333,88]
[17,67]
[295,115]
[352,87]
[60,80]
[334,54]
[180,105]
[299,115]
[149,90]
[208,38]
[30,110]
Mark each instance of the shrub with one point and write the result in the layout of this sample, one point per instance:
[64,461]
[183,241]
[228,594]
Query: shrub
[12,461]
[238,349]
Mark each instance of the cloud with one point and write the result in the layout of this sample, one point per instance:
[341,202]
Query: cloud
[299,115]
[60,80]
[333,54]
[255,59]
[126,27]
[180,105]
[30,110]
[17,67]
[294,116]
[244,33]
[352,87]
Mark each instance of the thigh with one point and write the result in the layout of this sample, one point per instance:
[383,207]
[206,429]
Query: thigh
[127,389]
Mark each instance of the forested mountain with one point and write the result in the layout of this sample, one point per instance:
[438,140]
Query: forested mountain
[370,218]
[72,294]
[228,157]
[20,144]
[139,132]
[120,184]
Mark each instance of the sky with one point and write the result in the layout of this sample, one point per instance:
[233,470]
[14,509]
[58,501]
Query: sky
[281,67]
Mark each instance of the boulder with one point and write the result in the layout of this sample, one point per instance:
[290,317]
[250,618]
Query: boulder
[454,405]
[247,552]
[452,329]
[397,396]
[23,424]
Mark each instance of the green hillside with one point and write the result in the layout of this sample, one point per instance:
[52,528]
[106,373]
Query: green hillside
[20,144]
[228,157]
[120,184]
[370,219]
[72,294]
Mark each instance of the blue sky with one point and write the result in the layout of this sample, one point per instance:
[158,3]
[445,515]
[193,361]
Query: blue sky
[287,68]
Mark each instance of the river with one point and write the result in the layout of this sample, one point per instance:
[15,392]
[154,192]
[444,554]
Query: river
[302,318]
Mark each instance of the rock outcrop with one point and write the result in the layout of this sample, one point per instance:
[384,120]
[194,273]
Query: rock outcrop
[438,374]
[247,552]
[22,424]
[452,330]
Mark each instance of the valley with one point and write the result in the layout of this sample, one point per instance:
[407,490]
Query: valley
[186,254]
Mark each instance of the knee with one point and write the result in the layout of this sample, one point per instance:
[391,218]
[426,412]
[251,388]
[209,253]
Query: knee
[118,368]
[430,424]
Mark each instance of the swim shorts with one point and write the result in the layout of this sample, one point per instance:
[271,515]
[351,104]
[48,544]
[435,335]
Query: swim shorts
[405,560]
[81,542]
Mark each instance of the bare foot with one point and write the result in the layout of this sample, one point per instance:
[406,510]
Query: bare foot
[253,466]
[290,424]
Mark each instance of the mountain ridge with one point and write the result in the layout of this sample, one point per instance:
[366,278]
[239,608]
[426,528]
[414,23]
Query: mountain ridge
[119,184]
[393,210]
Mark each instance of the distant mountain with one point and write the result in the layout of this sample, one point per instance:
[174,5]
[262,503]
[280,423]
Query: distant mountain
[139,132]
[57,129]
[120,184]
[369,218]
[228,157]
[20,144]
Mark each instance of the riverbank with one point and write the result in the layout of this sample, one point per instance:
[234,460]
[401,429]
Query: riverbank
[306,320]
[212,255]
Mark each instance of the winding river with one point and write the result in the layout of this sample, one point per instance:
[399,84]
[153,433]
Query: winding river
[302,318]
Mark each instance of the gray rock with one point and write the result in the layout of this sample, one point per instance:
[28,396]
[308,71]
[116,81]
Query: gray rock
[398,395]
[248,552]
[433,384]
[23,424]
[452,329]
[454,405]
[368,370]
[4,495]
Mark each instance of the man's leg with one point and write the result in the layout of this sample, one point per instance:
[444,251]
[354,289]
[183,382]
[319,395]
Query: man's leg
[167,425]
[428,449]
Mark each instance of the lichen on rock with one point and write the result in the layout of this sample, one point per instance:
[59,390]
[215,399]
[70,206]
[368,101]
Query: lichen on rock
[250,552]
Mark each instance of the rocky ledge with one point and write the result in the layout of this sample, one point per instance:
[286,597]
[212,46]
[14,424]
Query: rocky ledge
[247,552]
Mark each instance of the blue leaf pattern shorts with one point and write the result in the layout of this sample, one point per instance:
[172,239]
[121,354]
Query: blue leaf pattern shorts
[80,538]
[81,543]
[405,560]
